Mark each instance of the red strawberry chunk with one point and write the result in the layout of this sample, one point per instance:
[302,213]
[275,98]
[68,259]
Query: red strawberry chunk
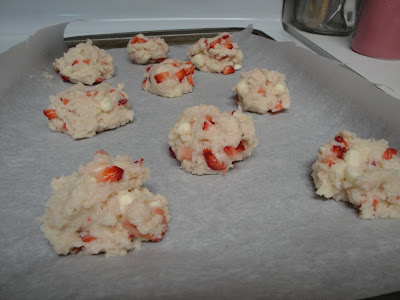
[160,59]
[209,119]
[233,111]
[64,127]
[212,161]
[228,70]
[88,238]
[65,78]
[262,90]
[278,107]
[375,203]
[98,80]
[190,79]
[206,125]
[86,61]
[181,74]
[65,101]
[110,174]
[340,139]
[172,152]
[92,93]
[225,36]
[227,46]
[160,77]
[240,147]
[50,113]
[189,70]
[388,154]
[339,151]
[230,151]
[144,84]
[122,102]
[138,40]
[217,41]
[75,62]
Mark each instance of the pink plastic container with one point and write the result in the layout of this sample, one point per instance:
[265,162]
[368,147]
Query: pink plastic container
[377,33]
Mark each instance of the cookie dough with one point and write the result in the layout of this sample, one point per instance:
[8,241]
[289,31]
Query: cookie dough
[261,90]
[143,50]
[81,111]
[103,208]
[171,78]
[216,55]
[364,172]
[207,141]
[85,63]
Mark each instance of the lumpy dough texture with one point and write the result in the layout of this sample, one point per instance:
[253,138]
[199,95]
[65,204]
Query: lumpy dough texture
[85,63]
[171,78]
[261,90]
[103,208]
[207,141]
[81,111]
[364,172]
[143,50]
[216,55]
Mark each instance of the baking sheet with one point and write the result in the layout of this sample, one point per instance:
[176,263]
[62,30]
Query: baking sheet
[259,231]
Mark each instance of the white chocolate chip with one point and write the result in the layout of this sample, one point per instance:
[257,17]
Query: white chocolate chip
[351,175]
[155,203]
[237,67]
[184,128]
[279,88]
[353,157]
[124,198]
[106,105]
[242,87]
[198,60]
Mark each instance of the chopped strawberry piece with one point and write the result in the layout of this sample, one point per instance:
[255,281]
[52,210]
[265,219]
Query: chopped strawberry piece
[98,80]
[122,102]
[75,62]
[144,84]
[185,153]
[278,107]
[112,90]
[225,36]
[160,59]
[233,111]
[228,70]
[205,41]
[105,63]
[65,78]
[160,77]
[206,125]
[148,68]
[227,46]
[230,151]
[102,152]
[189,70]
[50,113]
[375,203]
[139,161]
[212,161]
[262,90]
[89,219]
[190,79]
[228,40]
[223,57]
[180,74]
[373,164]
[237,98]
[88,238]
[110,174]
[240,147]
[217,41]
[339,151]
[138,40]
[64,127]
[340,139]
[65,101]
[209,119]
[388,154]
[86,61]
[172,152]
[92,93]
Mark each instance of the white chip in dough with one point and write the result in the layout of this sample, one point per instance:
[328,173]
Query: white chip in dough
[104,209]
[85,63]
[171,78]
[207,141]
[81,111]
[216,55]
[261,90]
[364,172]
[143,50]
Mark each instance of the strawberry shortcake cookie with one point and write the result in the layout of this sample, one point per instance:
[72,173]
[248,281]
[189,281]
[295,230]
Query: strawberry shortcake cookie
[261,90]
[171,78]
[143,50]
[364,172]
[85,63]
[207,141]
[81,111]
[216,55]
[103,208]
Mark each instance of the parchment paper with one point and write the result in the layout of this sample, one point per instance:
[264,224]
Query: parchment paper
[259,231]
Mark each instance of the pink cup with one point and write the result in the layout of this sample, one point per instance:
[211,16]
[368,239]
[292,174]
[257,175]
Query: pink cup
[377,33]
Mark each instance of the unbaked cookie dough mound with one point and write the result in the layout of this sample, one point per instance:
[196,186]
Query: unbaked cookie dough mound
[81,111]
[207,141]
[364,172]
[103,208]
[261,90]
[216,55]
[171,78]
[85,63]
[143,50]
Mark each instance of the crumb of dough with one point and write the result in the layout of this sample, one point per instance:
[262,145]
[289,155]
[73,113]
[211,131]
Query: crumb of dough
[82,111]
[85,63]
[47,75]
[364,172]
[103,208]
[219,54]
[171,78]
[261,90]
[144,50]
[207,141]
